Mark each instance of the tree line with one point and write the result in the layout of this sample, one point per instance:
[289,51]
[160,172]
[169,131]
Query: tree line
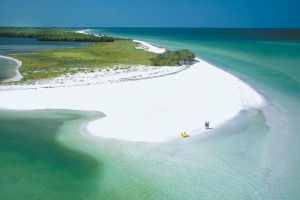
[52,34]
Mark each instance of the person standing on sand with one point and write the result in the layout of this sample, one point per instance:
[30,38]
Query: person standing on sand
[207,125]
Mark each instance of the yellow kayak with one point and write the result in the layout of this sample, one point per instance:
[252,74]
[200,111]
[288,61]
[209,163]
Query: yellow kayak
[184,135]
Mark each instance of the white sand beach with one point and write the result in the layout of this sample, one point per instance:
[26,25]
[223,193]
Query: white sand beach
[148,47]
[83,31]
[148,110]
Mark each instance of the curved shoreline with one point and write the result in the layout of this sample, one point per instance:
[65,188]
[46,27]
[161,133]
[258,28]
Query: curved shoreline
[18,75]
[217,106]
[149,47]
[149,110]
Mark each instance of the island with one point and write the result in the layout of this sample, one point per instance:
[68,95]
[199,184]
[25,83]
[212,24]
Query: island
[147,93]
[103,53]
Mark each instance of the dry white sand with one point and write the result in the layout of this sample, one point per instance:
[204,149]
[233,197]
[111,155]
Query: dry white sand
[148,47]
[83,31]
[150,110]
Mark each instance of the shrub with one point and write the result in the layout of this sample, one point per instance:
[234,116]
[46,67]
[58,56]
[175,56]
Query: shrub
[172,58]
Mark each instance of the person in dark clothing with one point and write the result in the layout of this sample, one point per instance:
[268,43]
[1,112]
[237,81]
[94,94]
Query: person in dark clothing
[207,125]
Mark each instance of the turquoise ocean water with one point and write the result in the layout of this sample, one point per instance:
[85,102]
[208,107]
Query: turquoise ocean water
[45,154]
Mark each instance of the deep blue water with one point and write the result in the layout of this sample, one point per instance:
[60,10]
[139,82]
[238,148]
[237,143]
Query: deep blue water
[254,156]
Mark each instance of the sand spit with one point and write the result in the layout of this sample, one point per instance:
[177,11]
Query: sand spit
[148,110]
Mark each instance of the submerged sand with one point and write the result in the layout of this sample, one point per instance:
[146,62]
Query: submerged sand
[148,110]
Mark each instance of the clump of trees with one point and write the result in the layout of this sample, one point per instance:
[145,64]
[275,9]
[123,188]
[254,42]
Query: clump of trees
[172,58]
[52,34]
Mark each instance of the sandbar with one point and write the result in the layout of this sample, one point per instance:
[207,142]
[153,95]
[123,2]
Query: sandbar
[148,110]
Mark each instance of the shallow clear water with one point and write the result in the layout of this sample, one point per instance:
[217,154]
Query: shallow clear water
[254,156]
[34,163]
[6,68]
[10,46]
[29,45]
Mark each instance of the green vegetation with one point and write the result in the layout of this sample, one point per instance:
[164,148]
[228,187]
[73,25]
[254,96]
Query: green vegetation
[52,63]
[52,34]
[172,58]
[104,53]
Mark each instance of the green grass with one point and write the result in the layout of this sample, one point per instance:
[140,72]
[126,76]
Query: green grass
[53,63]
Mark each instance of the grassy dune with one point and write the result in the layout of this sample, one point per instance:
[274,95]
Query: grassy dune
[52,63]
